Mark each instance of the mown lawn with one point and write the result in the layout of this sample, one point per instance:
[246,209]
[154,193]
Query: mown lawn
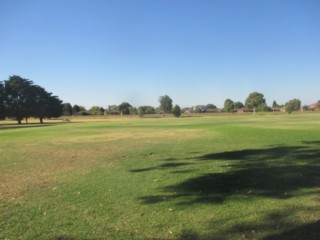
[213,177]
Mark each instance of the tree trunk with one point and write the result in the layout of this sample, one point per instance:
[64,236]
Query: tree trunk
[19,120]
[41,120]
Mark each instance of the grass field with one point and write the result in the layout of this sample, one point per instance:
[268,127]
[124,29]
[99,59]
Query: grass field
[213,177]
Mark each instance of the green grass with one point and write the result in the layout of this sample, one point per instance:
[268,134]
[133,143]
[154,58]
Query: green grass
[213,177]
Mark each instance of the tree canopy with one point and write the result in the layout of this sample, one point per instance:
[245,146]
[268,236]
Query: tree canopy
[165,104]
[67,109]
[124,108]
[228,105]
[256,101]
[20,98]
[95,110]
[293,105]
[2,97]
[76,109]
[238,105]
[176,111]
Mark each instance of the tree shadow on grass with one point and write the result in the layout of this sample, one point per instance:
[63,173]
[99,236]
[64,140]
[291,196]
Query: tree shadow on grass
[161,167]
[310,231]
[71,238]
[274,172]
[275,226]
[31,125]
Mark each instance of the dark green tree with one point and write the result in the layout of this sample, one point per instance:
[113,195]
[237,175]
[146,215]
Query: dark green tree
[211,106]
[150,110]
[23,99]
[197,109]
[165,104]
[124,108]
[255,101]
[262,108]
[176,111]
[16,94]
[133,110]
[76,109]
[318,103]
[238,105]
[275,104]
[141,111]
[96,110]
[2,102]
[146,110]
[54,107]
[83,111]
[228,105]
[67,109]
[293,105]
[38,103]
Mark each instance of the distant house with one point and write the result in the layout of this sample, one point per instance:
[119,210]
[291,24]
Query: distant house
[314,106]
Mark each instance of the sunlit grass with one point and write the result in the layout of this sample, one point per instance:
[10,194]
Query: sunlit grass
[213,177]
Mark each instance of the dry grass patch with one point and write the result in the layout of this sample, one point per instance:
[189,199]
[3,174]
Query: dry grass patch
[133,135]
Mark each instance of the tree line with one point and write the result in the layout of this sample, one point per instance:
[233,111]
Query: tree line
[124,108]
[255,102]
[21,99]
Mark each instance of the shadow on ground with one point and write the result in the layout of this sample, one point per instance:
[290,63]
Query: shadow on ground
[70,238]
[276,172]
[276,222]
[30,125]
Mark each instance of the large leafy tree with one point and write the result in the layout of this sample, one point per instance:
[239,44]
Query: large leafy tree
[228,105]
[255,101]
[2,98]
[54,107]
[75,109]
[176,111]
[211,106]
[275,104]
[22,99]
[293,105]
[146,110]
[43,104]
[96,110]
[150,110]
[67,109]
[165,104]
[17,97]
[37,102]
[238,105]
[124,108]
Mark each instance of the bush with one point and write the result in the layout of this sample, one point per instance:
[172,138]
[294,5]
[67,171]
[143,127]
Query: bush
[176,111]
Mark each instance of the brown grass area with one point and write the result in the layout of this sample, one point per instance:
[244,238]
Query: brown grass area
[41,164]
[132,135]
[41,168]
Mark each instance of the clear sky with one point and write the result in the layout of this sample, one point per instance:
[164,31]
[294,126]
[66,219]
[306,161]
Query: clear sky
[196,51]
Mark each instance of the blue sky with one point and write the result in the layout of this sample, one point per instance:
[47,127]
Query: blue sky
[196,51]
